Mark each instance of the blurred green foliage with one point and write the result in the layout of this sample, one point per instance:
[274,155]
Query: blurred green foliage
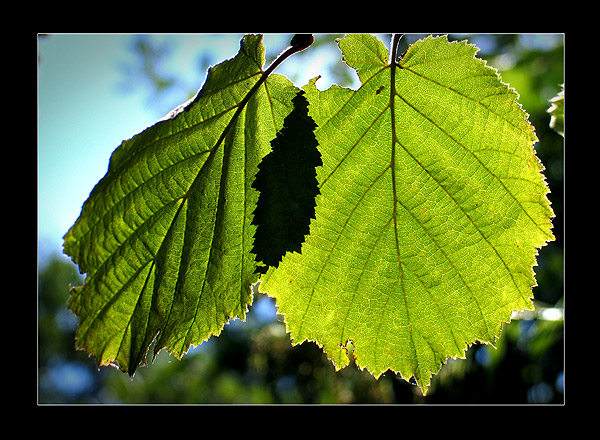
[253,362]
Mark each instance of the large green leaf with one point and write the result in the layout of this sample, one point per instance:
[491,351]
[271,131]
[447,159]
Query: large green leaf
[431,211]
[166,236]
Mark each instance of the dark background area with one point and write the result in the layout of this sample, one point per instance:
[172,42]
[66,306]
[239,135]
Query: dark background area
[254,362]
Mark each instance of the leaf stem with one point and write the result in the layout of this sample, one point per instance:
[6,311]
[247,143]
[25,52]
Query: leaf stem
[394,47]
[298,43]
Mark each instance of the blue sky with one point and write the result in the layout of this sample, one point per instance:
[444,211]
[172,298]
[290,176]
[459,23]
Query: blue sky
[87,105]
[81,118]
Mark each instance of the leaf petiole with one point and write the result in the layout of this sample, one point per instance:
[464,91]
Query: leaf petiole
[298,43]
[394,48]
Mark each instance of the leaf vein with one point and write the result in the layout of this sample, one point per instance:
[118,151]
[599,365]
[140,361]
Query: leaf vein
[452,197]
[330,253]
[500,116]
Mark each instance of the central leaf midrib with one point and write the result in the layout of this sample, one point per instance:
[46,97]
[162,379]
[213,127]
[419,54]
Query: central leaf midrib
[217,211]
[110,211]
[126,195]
[393,141]
[124,166]
[511,195]
[183,199]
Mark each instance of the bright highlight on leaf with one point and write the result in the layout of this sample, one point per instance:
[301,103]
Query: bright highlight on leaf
[166,236]
[432,207]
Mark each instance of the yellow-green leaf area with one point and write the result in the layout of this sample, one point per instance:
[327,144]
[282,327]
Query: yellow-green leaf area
[431,210]
[166,236]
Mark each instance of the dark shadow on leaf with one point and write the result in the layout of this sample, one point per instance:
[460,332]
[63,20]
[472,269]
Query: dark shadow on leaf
[287,182]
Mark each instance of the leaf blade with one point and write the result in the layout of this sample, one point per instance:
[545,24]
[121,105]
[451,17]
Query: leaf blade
[431,198]
[167,230]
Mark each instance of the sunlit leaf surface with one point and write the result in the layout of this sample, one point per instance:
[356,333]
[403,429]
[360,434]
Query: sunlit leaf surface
[432,207]
[166,236]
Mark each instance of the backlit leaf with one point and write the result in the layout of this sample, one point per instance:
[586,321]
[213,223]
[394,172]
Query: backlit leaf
[166,236]
[432,207]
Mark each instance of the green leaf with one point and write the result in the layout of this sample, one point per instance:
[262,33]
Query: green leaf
[166,236]
[287,182]
[432,207]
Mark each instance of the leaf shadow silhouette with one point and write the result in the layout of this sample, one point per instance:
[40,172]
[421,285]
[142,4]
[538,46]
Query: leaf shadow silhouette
[288,186]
